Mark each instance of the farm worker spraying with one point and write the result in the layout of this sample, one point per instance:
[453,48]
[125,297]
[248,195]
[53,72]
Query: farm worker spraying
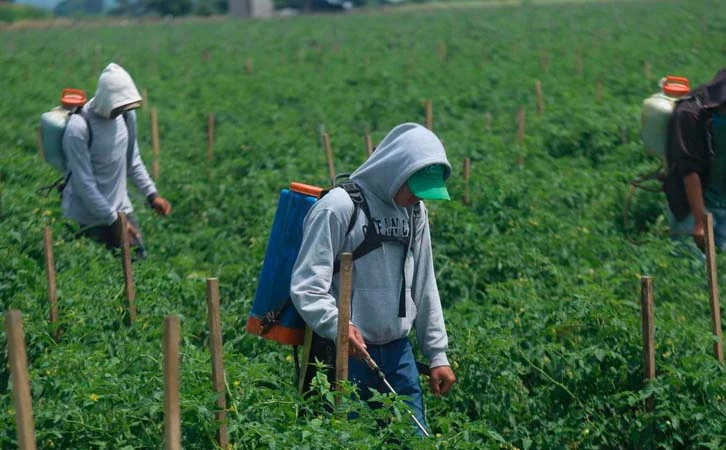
[101,151]
[394,286]
[696,161]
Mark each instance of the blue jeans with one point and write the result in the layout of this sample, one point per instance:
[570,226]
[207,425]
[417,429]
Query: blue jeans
[682,230]
[398,364]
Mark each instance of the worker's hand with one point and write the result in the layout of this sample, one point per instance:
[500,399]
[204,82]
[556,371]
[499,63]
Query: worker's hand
[356,344]
[699,236]
[131,231]
[161,206]
[441,380]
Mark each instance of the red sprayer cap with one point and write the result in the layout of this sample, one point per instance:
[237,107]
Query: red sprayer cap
[73,98]
[676,86]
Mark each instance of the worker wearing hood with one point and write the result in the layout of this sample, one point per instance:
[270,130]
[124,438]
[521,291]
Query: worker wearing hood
[394,287]
[101,151]
[696,156]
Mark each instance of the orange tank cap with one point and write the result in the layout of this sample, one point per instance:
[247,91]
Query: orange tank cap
[676,86]
[306,189]
[73,97]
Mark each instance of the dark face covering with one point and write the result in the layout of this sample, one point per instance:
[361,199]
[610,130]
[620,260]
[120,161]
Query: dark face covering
[122,109]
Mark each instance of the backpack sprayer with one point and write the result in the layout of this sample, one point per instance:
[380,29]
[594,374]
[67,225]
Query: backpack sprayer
[374,367]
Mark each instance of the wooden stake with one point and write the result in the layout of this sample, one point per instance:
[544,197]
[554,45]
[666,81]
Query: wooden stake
[598,95]
[128,270]
[429,115]
[329,156]
[41,151]
[646,302]
[155,144]
[206,55]
[488,122]
[647,70]
[248,66]
[97,60]
[578,62]
[544,60]
[442,53]
[341,354]
[467,174]
[369,144]
[215,349]
[172,419]
[210,137]
[538,92]
[713,288]
[50,276]
[25,427]
[144,98]
[521,118]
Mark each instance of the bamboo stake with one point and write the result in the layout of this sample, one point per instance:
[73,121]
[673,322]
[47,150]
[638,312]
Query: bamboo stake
[210,137]
[429,115]
[646,302]
[25,427]
[341,354]
[369,144]
[467,174]
[713,288]
[50,276]
[155,143]
[172,419]
[329,156]
[538,92]
[215,349]
[128,270]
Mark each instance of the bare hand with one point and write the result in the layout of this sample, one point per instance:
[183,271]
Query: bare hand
[356,344]
[699,236]
[441,380]
[161,206]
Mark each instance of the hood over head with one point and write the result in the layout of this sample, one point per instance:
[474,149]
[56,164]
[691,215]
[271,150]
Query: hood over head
[115,89]
[405,150]
[713,93]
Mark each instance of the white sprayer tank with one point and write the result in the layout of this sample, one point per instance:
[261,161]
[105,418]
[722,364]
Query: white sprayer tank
[657,111]
[53,124]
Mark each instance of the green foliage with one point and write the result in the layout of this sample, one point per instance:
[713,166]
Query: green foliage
[539,283]
[10,12]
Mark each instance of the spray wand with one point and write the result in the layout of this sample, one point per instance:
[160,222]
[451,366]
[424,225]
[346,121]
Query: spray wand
[374,367]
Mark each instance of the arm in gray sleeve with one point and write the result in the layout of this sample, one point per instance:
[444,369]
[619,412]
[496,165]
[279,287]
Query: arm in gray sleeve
[82,180]
[323,236]
[430,328]
[137,171]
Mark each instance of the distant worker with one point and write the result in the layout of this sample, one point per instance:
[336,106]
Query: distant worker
[101,151]
[394,285]
[696,157]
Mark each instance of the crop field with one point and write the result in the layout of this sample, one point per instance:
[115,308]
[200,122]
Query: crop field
[539,279]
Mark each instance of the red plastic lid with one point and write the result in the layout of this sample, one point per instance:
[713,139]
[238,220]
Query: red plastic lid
[73,97]
[676,86]
[306,189]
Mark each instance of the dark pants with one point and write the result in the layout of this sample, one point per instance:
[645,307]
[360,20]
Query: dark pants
[397,362]
[109,236]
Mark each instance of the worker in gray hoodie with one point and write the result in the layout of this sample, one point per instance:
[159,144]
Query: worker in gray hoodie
[101,151]
[394,287]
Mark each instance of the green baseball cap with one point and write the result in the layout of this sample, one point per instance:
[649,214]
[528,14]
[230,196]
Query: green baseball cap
[428,183]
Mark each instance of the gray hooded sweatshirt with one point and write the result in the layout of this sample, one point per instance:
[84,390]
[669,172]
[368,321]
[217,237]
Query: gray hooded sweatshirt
[377,276]
[96,190]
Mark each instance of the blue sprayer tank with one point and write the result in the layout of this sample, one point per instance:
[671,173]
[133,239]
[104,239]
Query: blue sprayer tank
[273,287]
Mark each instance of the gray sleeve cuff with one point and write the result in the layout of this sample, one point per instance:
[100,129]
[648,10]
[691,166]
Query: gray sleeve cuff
[438,359]
[113,217]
